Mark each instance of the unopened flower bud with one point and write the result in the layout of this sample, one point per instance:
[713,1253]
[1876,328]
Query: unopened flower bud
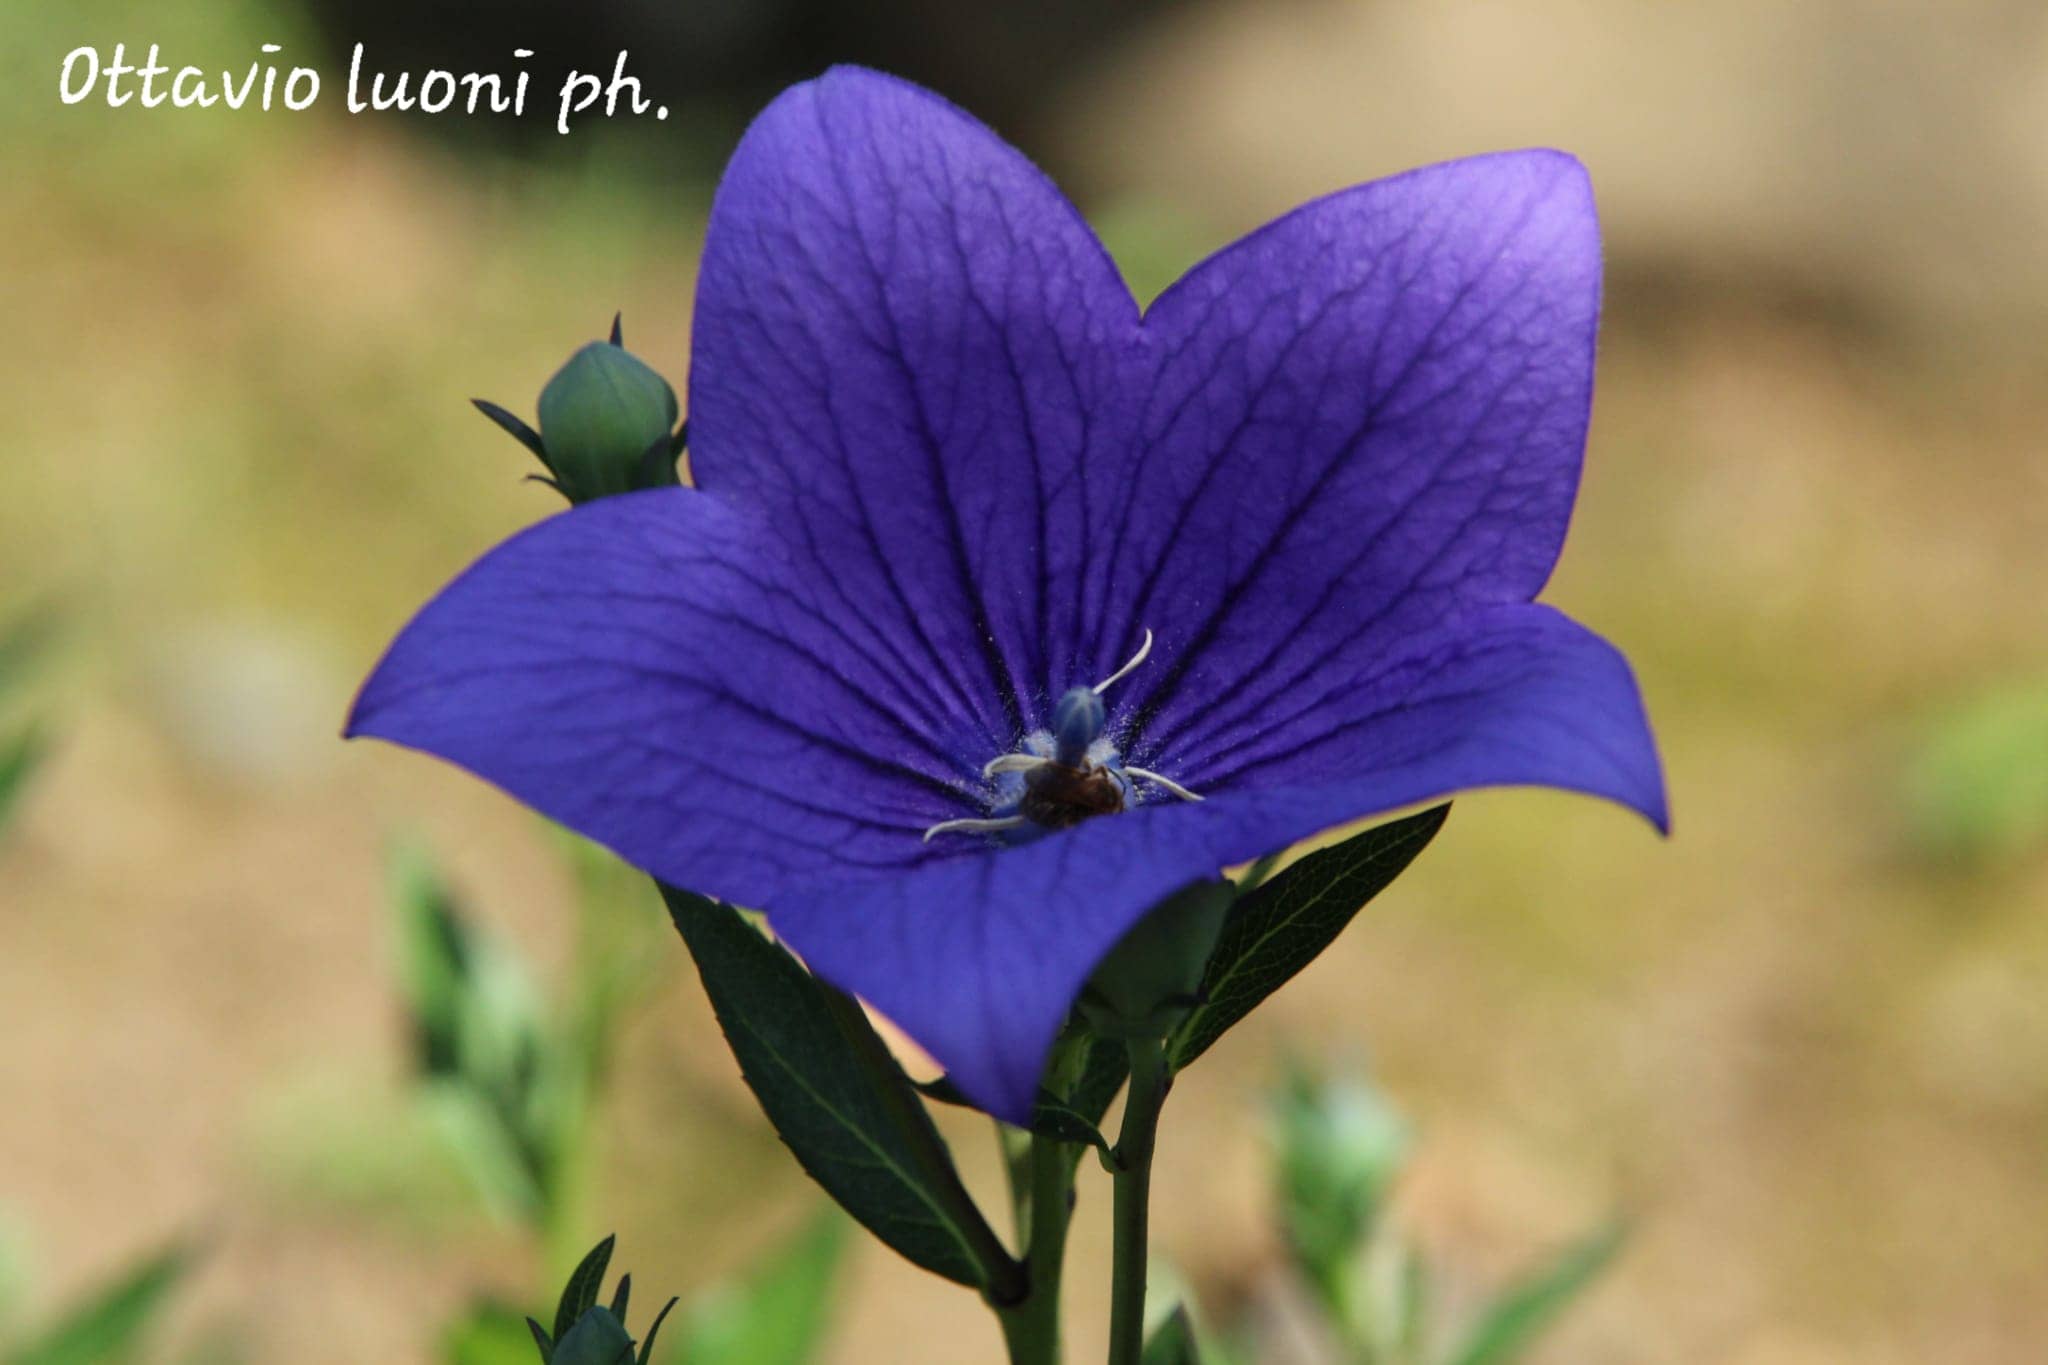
[1150,979]
[1341,1147]
[598,1338]
[600,417]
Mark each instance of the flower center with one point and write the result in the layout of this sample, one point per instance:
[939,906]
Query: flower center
[1068,773]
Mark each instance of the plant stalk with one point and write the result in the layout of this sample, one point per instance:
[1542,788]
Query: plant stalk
[1132,1182]
[1031,1328]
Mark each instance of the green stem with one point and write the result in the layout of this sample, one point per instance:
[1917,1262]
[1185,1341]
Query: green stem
[1016,1146]
[1031,1328]
[1133,1197]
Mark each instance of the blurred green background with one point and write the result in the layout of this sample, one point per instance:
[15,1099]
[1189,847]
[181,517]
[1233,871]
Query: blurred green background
[1803,1045]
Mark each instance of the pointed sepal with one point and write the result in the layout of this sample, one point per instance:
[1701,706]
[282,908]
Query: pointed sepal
[580,1294]
[622,1296]
[654,1330]
[512,424]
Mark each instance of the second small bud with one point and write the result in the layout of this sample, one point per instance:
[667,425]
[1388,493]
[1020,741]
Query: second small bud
[608,424]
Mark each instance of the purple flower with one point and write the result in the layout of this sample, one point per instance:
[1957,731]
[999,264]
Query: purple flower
[949,478]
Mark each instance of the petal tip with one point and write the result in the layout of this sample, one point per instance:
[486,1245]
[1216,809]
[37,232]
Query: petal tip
[370,706]
[357,725]
[1658,813]
[1650,797]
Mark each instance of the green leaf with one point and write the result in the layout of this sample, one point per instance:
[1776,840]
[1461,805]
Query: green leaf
[484,1054]
[839,1100]
[490,1156]
[18,758]
[777,1314]
[108,1326]
[1173,1341]
[1339,1148]
[1513,1322]
[475,1011]
[580,1294]
[434,953]
[1283,925]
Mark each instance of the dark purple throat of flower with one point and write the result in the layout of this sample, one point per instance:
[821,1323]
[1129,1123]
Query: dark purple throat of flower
[1060,776]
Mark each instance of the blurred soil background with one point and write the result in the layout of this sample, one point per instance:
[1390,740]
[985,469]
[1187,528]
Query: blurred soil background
[1803,1045]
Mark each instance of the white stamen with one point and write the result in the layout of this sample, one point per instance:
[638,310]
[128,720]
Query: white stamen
[1013,763]
[1136,659]
[1147,775]
[973,826]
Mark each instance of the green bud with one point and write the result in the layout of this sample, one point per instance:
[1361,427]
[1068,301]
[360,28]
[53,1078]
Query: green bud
[598,1338]
[1150,979]
[605,424]
[1341,1146]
